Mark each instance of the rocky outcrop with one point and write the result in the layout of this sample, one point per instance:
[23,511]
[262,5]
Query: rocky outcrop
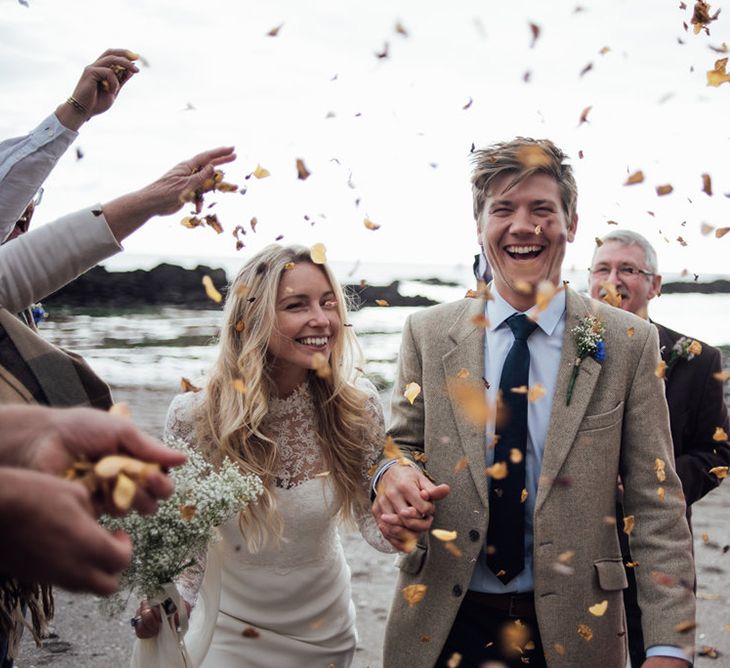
[714,287]
[171,285]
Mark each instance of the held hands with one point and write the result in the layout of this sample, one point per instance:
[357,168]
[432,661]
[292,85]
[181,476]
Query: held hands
[98,87]
[405,504]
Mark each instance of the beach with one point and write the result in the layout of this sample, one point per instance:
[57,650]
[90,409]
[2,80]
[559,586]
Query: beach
[83,637]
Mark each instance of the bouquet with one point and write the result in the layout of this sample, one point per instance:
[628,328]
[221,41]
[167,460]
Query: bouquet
[165,544]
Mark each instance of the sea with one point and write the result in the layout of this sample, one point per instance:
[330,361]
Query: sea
[153,348]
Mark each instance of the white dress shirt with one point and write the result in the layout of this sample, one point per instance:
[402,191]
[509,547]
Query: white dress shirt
[25,162]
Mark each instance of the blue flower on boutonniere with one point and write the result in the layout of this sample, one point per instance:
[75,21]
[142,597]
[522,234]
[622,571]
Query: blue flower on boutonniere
[39,313]
[589,341]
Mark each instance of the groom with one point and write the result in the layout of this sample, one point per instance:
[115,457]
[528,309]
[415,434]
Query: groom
[522,427]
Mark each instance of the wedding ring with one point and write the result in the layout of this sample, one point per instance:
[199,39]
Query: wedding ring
[135,620]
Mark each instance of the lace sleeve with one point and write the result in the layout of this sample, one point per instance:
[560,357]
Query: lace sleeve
[374,438]
[181,416]
[180,423]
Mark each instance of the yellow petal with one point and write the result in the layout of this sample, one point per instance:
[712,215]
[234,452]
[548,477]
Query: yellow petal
[124,491]
[318,253]
[661,476]
[599,609]
[370,224]
[636,177]
[719,472]
[443,535]
[260,172]
[629,523]
[413,594]
[498,471]
[211,291]
[720,435]
[412,391]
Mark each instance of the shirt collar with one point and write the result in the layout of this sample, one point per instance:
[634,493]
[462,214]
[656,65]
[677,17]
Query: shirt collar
[498,310]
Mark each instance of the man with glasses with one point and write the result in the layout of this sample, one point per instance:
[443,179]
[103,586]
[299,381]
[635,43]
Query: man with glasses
[624,273]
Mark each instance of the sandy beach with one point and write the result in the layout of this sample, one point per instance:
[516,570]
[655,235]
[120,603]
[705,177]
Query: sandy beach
[84,638]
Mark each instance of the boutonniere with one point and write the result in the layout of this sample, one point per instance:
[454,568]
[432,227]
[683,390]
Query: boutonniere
[588,334]
[684,349]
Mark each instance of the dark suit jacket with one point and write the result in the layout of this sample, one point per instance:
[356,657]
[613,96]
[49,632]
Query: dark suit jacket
[696,408]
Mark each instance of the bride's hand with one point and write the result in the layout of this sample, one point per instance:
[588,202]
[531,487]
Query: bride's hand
[148,619]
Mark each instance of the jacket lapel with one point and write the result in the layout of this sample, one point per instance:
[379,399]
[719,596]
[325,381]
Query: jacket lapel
[565,420]
[468,354]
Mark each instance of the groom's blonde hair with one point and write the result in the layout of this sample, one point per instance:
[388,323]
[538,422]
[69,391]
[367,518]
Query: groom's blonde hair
[233,419]
[522,157]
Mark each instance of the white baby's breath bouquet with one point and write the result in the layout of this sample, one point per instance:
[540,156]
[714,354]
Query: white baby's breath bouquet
[165,543]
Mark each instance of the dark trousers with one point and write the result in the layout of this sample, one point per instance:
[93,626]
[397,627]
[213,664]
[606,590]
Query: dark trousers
[633,622]
[488,628]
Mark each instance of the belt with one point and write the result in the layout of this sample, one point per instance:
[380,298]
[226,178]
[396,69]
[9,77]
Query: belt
[511,605]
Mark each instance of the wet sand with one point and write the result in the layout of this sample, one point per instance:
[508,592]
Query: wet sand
[84,638]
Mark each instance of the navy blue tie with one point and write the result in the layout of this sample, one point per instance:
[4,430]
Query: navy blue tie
[506,532]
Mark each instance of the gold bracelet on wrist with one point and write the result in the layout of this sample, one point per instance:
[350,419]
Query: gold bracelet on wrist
[78,107]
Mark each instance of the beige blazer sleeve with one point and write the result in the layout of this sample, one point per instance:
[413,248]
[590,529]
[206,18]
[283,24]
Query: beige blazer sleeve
[45,259]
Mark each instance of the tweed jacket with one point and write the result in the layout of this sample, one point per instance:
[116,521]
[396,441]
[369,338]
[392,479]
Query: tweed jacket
[616,423]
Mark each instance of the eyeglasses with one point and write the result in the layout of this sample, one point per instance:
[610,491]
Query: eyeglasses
[625,271]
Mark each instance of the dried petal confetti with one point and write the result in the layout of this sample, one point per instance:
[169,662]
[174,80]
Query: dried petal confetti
[661,492]
[382,302]
[720,232]
[391,450]
[630,331]
[531,156]
[686,626]
[661,369]
[599,609]
[523,495]
[369,224]
[659,468]
[461,464]
[718,75]
[187,386]
[707,184]
[720,435]
[664,190]
[239,386]
[535,31]
[210,290]
[275,30]
[536,392]
[481,320]
[498,471]
[321,366]
[187,512]
[250,632]
[611,295]
[701,17]
[636,177]
[559,649]
[722,376]
[124,491]
[443,535]
[515,455]
[413,594]
[585,632]
[318,253]
[584,115]
[629,524]
[302,172]
[411,392]
[261,172]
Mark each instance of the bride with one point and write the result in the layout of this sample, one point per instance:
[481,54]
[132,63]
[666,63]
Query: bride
[281,401]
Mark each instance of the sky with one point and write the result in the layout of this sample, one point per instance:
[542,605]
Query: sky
[385,138]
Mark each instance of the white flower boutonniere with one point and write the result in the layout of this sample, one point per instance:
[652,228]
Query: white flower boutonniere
[589,341]
[684,349]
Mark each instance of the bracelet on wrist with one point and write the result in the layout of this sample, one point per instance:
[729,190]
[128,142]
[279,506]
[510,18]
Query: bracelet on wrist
[78,107]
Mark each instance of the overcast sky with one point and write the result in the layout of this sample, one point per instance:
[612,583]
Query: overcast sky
[392,133]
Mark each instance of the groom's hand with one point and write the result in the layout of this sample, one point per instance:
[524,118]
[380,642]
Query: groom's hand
[404,505]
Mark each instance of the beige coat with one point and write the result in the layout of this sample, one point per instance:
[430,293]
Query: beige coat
[617,421]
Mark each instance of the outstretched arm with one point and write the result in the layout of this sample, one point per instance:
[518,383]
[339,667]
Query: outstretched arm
[26,162]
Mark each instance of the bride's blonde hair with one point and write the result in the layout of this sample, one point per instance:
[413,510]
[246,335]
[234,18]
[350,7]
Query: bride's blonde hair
[233,415]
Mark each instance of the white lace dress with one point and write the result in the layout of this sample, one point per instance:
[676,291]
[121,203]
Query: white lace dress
[290,605]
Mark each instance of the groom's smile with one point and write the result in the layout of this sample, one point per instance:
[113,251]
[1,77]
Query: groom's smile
[523,230]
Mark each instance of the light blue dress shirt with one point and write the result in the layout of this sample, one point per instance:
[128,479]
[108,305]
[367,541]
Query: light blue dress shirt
[25,162]
[545,345]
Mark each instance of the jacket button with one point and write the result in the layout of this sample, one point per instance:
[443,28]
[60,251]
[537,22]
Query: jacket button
[473,535]
[458,591]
